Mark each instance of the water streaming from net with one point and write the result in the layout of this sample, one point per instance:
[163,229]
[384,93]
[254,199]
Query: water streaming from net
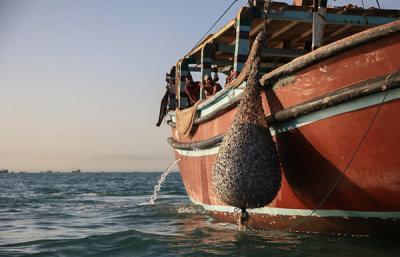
[161,180]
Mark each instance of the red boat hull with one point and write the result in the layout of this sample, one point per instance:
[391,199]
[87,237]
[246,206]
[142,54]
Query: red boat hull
[339,156]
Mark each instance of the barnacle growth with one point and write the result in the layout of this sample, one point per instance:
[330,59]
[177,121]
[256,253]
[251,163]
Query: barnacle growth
[246,172]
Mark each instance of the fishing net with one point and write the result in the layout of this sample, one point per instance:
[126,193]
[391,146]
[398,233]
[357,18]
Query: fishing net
[246,172]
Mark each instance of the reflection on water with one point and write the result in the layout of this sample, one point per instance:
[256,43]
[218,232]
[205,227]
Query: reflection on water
[98,215]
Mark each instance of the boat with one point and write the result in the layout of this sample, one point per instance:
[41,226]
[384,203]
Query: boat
[76,171]
[3,171]
[330,78]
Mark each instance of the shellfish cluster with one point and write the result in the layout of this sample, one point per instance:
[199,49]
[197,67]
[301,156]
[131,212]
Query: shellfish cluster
[246,172]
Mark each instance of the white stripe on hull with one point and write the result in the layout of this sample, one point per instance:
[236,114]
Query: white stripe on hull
[231,94]
[198,153]
[353,105]
[357,104]
[304,212]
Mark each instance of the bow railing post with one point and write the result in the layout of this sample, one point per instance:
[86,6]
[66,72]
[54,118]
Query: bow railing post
[206,61]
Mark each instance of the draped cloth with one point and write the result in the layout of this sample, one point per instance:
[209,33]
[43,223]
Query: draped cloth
[185,119]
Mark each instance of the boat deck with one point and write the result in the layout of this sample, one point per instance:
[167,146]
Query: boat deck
[289,32]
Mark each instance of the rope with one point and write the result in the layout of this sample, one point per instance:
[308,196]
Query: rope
[351,159]
[243,217]
[183,157]
[379,6]
[187,152]
[215,23]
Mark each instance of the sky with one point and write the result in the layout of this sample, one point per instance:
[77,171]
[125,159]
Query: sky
[81,81]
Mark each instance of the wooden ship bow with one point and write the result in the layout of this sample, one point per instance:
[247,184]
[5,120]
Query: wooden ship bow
[328,95]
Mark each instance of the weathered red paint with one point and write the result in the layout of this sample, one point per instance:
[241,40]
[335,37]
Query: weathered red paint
[208,129]
[315,155]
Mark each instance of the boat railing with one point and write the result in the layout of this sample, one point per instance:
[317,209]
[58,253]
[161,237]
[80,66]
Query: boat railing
[292,31]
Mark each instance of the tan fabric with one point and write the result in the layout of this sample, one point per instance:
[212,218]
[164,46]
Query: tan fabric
[185,119]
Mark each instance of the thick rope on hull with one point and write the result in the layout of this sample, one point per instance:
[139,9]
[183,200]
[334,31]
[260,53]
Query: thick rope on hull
[246,172]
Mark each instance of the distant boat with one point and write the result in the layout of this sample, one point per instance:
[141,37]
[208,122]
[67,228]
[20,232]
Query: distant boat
[3,171]
[76,171]
[48,171]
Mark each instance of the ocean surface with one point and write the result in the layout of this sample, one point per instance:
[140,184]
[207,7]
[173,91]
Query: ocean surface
[105,214]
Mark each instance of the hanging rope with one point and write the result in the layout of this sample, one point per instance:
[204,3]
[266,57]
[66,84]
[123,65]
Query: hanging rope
[242,218]
[215,23]
[379,6]
[201,39]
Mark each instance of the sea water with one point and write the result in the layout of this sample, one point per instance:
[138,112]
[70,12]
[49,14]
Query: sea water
[99,214]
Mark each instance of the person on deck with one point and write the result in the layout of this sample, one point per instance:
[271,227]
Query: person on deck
[168,102]
[210,87]
[231,77]
[192,89]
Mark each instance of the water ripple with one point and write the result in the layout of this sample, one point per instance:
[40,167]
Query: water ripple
[100,215]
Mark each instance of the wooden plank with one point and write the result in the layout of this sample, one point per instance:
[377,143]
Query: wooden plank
[254,31]
[318,27]
[332,49]
[222,48]
[357,20]
[303,36]
[182,72]
[303,15]
[338,32]
[279,52]
[242,44]
[264,22]
[276,52]
[283,30]
[271,65]
[216,62]
[331,18]
[346,27]
[226,39]
[219,33]
[206,60]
